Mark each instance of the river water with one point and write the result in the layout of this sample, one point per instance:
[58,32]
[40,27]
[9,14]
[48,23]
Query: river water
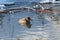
[42,26]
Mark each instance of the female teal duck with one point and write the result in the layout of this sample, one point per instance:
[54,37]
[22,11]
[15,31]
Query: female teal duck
[25,22]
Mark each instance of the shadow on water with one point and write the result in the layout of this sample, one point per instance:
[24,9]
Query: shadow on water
[1,22]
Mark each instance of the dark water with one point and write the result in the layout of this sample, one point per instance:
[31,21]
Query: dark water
[42,29]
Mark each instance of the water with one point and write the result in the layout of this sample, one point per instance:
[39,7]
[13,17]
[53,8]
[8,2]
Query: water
[11,30]
[3,1]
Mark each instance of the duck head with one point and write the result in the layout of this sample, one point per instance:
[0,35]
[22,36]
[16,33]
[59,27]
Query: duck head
[29,19]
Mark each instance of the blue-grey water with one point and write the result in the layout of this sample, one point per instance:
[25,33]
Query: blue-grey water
[4,1]
[10,29]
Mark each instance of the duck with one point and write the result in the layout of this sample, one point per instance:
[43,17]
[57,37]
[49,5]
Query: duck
[26,22]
